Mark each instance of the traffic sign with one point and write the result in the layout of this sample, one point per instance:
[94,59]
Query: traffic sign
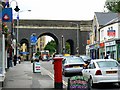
[33,39]
[7,15]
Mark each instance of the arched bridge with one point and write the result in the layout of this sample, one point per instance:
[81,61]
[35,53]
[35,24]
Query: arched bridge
[57,29]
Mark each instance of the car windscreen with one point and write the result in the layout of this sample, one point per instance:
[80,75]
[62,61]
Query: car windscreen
[85,57]
[75,60]
[107,64]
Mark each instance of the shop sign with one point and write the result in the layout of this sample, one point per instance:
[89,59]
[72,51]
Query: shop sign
[88,41]
[97,46]
[111,33]
[102,45]
[92,47]
[37,67]
[110,43]
[7,15]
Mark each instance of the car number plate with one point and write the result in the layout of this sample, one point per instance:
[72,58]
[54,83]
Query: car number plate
[111,72]
[76,66]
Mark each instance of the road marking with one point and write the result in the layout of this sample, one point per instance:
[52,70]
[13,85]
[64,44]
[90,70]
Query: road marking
[52,76]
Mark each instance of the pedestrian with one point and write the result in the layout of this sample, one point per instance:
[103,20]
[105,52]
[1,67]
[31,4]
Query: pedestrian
[19,59]
[107,55]
[10,61]
[15,60]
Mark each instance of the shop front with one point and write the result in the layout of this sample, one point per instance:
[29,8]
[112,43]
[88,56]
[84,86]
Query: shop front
[87,50]
[94,51]
[102,50]
[118,49]
[111,46]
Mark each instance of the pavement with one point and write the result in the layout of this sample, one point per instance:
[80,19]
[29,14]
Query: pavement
[22,76]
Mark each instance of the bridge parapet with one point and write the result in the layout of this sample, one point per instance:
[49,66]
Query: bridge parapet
[55,24]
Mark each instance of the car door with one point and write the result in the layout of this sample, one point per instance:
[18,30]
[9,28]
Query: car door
[90,70]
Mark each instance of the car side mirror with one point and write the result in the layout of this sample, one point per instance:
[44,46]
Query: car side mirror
[85,66]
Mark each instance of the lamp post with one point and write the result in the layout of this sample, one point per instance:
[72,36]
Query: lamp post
[63,45]
[77,48]
[18,27]
[18,11]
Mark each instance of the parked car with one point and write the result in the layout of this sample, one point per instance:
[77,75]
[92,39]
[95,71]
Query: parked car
[72,64]
[86,58]
[102,71]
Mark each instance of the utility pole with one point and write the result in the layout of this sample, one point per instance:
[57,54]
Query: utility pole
[77,39]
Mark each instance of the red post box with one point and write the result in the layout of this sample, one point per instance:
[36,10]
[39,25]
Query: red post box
[58,72]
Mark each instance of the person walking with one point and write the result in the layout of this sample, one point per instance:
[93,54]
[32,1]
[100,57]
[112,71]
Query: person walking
[10,61]
[15,60]
[19,59]
[107,55]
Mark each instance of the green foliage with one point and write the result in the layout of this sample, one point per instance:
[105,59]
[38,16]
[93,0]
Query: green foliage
[67,47]
[51,46]
[113,7]
[5,28]
[6,32]
[37,54]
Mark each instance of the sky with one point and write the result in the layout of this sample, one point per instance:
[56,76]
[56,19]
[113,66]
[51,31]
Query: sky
[58,9]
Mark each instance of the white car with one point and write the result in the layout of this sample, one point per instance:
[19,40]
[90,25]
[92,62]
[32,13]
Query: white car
[102,71]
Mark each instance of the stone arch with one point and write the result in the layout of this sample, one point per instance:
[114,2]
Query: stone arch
[70,41]
[54,37]
[22,41]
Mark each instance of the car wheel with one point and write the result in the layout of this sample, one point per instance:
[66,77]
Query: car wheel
[119,84]
[92,85]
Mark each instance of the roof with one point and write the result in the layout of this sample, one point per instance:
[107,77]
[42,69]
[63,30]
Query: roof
[105,17]
[115,20]
[96,60]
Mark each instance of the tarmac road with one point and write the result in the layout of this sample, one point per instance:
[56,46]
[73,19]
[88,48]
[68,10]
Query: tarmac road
[48,66]
[22,76]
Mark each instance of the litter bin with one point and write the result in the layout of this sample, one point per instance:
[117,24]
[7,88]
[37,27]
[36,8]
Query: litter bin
[36,67]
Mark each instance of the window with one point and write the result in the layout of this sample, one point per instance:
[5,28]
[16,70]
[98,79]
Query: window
[107,64]
[91,66]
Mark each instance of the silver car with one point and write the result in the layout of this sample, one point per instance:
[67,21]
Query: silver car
[86,58]
[102,71]
[72,64]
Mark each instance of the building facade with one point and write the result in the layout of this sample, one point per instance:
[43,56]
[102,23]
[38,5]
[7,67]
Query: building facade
[104,36]
[110,36]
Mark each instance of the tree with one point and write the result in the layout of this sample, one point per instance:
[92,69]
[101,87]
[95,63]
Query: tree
[51,46]
[113,5]
[67,47]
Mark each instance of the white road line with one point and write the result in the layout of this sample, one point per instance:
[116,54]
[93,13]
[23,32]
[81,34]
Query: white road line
[52,76]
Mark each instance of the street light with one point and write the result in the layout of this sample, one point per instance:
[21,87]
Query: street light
[77,48]
[18,27]
[17,10]
[63,45]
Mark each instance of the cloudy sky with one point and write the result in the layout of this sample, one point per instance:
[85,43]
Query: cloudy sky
[58,9]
